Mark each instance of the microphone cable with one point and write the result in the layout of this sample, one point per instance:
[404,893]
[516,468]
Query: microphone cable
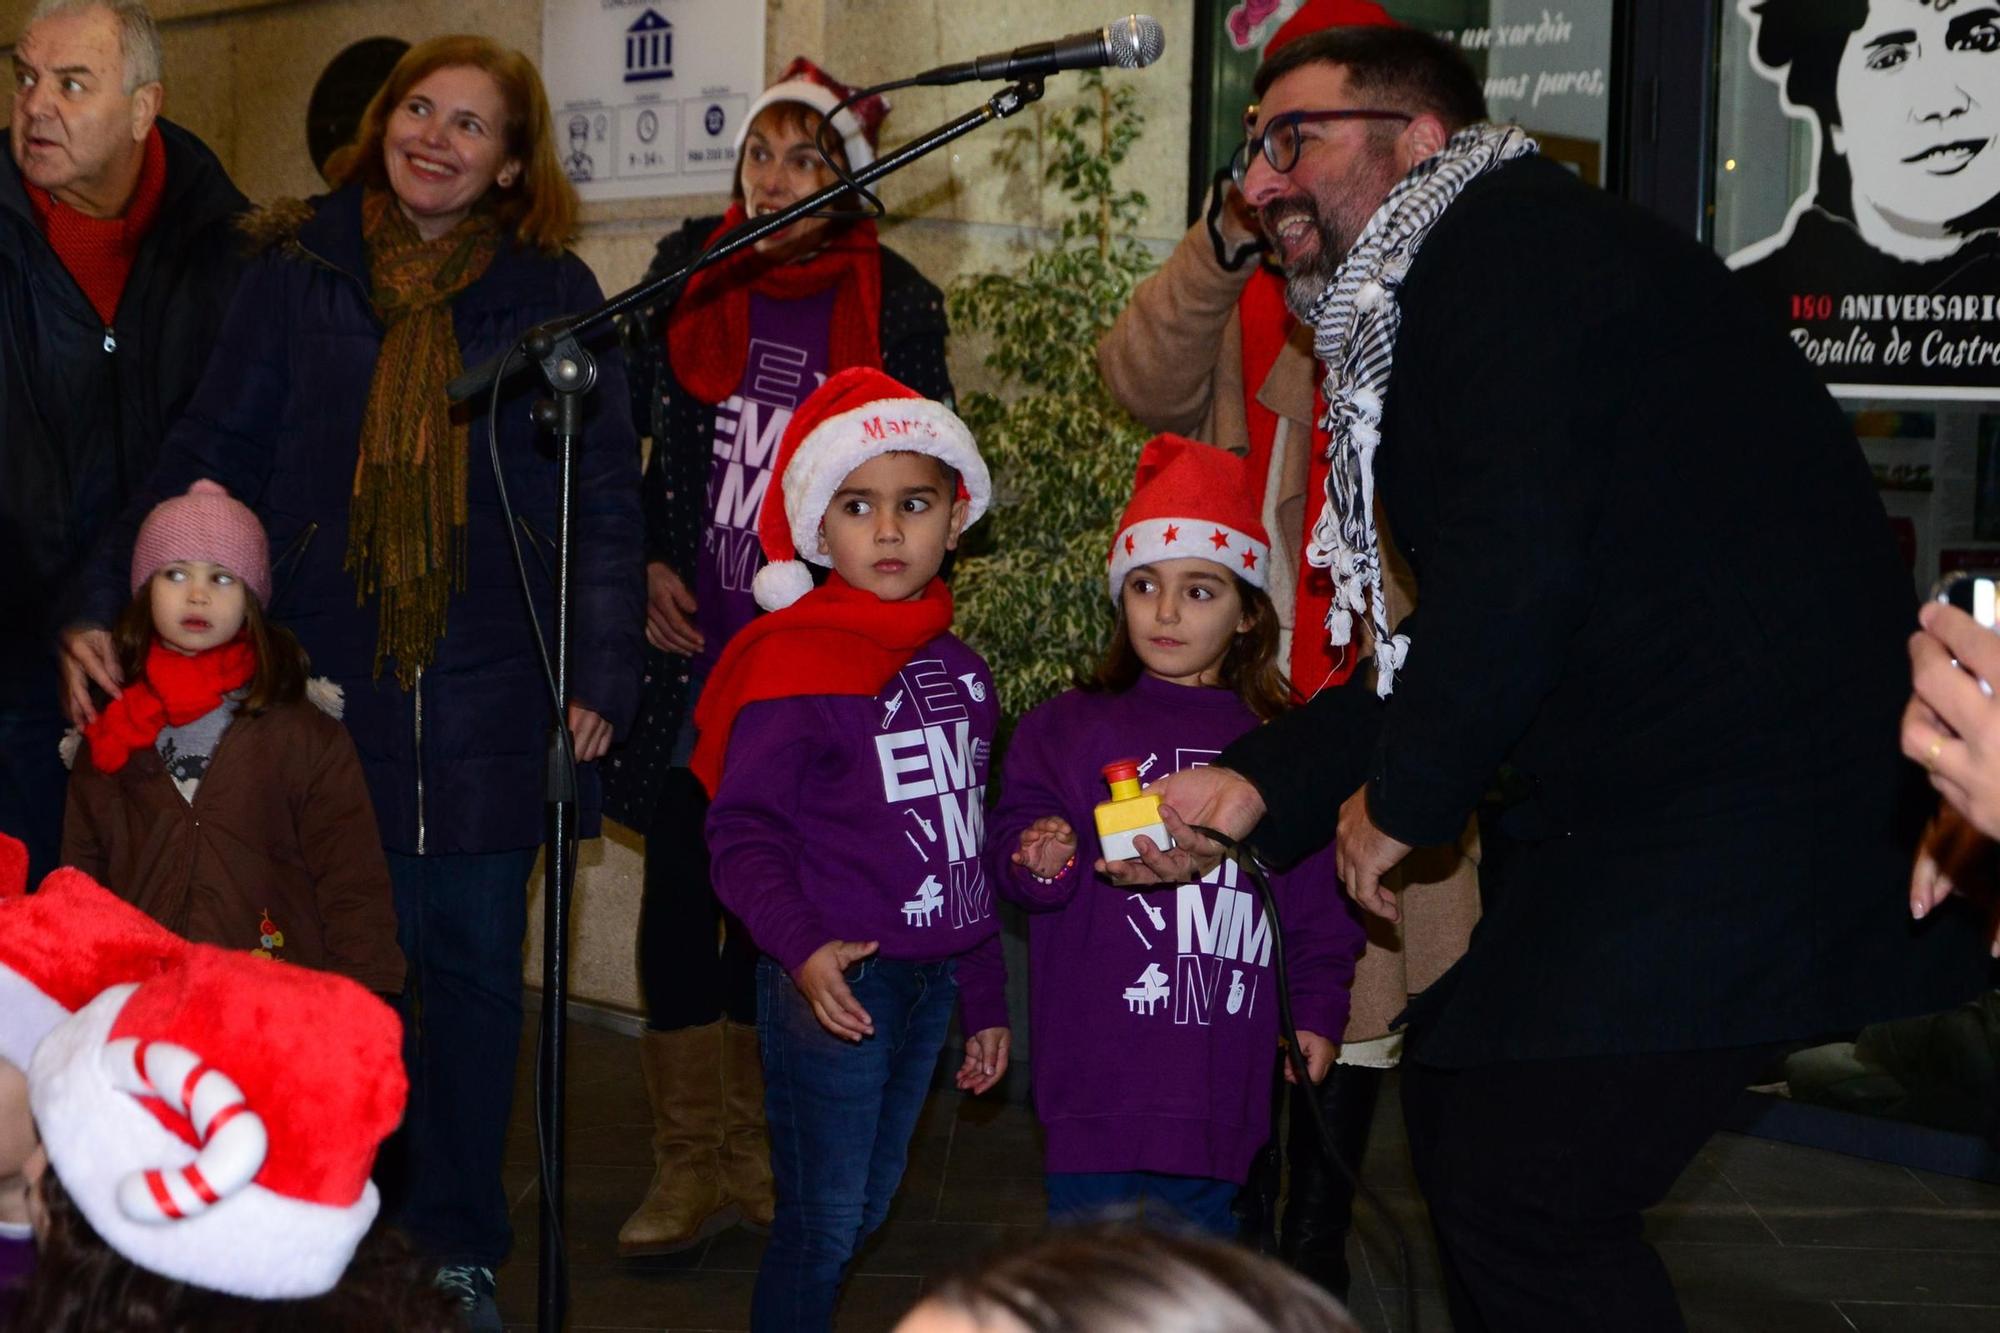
[872,206]
[1246,861]
[564,753]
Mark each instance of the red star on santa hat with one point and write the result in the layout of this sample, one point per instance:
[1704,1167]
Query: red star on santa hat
[1220,539]
[1129,545]
[1172,535]
[1249,560]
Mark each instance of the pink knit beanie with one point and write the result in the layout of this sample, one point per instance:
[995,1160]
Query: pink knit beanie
[204,524]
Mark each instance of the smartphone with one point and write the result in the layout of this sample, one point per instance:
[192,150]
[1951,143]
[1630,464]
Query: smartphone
[1973,591]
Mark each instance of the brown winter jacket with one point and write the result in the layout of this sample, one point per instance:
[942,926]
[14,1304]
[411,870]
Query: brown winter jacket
[1175,360]
[281,826]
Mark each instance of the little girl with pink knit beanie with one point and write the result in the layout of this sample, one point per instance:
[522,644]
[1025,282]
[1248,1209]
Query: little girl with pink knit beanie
[213,792]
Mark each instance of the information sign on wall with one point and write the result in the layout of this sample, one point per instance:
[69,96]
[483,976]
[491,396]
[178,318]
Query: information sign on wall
[648,95]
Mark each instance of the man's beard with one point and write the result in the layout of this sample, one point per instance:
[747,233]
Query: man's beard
[1336,227]
[1305,280]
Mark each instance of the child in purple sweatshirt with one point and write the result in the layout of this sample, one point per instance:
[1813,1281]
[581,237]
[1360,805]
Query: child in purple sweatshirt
[1154,1015]
[845,739]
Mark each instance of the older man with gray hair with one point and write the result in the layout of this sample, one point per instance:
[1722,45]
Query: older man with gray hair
[116,265]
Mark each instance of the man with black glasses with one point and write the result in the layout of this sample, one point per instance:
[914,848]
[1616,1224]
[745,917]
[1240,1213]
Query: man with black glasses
[1659,608]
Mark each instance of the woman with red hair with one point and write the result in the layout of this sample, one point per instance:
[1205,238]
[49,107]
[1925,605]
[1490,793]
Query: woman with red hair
[325,410]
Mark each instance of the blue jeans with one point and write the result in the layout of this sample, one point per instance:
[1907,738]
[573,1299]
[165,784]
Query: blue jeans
[1089,1196]
[460,920]
[33,784]
[841,1115]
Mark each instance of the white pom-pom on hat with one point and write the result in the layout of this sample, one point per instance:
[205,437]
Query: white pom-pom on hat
[780,583]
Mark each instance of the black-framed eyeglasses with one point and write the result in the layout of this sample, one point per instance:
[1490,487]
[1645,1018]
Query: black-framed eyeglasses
[1280,141]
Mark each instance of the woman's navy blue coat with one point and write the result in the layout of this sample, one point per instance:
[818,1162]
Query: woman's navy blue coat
[457,764]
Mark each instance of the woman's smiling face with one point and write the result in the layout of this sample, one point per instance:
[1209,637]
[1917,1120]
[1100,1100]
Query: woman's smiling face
[446,146]
[1918,88]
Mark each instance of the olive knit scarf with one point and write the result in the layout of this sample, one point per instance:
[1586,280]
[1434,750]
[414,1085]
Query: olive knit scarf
[406,528]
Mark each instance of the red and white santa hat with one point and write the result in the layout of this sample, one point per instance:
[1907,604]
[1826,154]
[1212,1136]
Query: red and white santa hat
[1190,499]
[1314,15]
[63,945]
[803,81]
[858,414]
[216,1123]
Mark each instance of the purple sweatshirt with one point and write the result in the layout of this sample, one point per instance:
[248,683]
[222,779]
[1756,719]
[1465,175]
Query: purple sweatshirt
[844,817]
[17,1270]
[1153,1015]
[785,363]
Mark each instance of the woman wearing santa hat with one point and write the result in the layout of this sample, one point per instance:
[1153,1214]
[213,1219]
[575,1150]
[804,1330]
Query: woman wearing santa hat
[715,379]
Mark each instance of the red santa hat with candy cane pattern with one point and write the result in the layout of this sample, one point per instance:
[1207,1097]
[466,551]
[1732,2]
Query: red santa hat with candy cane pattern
[60,947]
[1190,499]
[858,414]
[216,1123]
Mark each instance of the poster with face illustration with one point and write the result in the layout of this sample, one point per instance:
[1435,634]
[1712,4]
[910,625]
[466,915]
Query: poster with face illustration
[1886,270]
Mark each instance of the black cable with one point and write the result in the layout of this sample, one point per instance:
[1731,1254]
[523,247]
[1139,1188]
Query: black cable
[1218,194]
[1247,861]
[565,747]
[872,205]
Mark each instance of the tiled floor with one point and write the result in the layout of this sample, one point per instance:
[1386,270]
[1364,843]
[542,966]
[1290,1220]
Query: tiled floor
[1761,1237]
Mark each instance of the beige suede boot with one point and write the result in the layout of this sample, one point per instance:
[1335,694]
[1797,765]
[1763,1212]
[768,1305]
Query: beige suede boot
[746,1141]
[686,1202]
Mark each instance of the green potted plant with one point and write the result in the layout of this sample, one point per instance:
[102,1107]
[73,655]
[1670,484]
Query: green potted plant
[1030,587]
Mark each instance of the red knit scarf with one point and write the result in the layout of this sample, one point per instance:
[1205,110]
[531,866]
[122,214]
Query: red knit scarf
[98,252]
[175,690]
[708,333]
[837,639]
[1267,326]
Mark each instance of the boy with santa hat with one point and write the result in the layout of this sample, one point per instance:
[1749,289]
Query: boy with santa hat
[845,738]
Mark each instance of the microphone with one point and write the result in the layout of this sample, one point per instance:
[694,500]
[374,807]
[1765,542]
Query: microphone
[1132,42]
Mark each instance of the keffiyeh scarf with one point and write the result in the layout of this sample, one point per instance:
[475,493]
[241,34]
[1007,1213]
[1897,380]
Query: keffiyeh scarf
[1355,322]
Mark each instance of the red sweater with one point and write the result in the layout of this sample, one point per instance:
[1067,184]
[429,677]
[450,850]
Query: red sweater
[98,252]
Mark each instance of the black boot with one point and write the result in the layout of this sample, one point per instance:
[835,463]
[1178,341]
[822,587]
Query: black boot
[1321,1203]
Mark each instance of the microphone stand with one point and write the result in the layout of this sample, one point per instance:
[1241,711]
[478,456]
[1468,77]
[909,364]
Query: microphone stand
[555,348]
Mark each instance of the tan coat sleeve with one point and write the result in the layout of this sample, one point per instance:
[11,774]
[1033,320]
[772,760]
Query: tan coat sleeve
[1162,358]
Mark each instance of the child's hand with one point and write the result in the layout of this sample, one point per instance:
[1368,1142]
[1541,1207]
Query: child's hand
[1319,1055]
[822,979]
[985,1059]
[1046,847]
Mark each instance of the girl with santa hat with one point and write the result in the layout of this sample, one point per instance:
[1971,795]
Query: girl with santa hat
[1155,1016]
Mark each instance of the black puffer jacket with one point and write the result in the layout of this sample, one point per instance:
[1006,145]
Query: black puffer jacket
[83,407]
[675,489]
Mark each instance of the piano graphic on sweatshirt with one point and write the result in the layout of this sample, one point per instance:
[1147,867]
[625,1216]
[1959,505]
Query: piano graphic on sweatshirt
[1145,995]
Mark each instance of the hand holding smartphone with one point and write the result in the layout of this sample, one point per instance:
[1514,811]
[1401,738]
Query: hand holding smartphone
[1975,592]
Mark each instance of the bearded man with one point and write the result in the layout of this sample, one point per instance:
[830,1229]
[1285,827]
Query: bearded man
[1656,591]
